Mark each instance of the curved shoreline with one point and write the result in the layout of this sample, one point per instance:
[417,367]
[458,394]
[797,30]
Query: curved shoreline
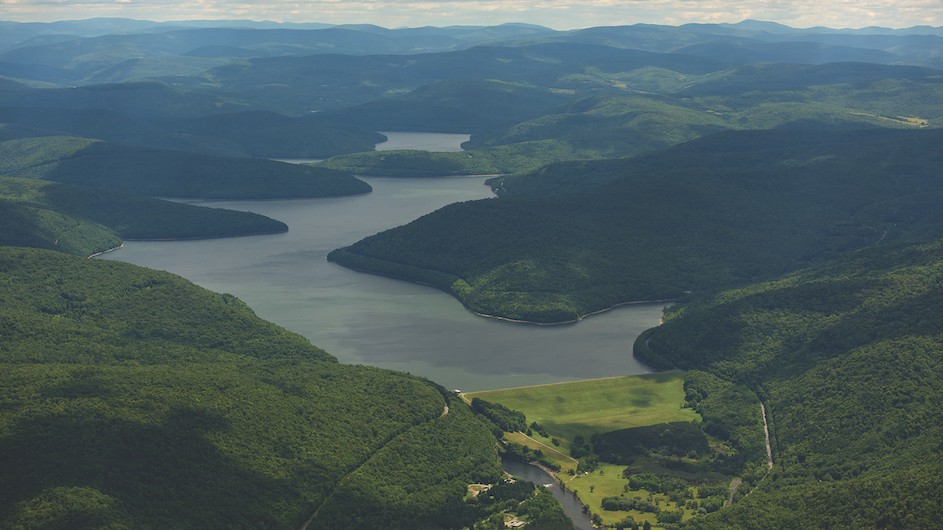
[575,320]
[451,293]
[95,255]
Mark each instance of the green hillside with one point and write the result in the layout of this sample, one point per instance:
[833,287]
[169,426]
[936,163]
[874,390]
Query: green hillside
[28,225]
[168,173]
[238,132]
[846,357]
[82,220]
[649,113]
[132,398]
[726,209]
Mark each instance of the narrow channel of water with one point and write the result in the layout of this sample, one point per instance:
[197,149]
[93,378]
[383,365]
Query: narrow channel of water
[571,506]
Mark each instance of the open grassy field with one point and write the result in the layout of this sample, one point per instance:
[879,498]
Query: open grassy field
[584,408]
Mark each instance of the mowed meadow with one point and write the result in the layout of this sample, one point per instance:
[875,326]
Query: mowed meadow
[584,408]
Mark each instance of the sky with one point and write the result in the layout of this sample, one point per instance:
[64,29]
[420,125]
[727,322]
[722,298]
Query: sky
[557,14]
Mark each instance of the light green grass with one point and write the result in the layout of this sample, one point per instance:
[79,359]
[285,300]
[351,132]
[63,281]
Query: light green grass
[607,481]
[565,461]
[585,408]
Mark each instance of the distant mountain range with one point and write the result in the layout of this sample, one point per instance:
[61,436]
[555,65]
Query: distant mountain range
[101,50]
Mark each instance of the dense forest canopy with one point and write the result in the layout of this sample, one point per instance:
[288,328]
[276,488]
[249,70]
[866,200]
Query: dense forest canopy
[134,398]
[722,210]
[847,358]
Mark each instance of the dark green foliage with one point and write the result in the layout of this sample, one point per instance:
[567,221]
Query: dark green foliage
[250,133]
[137,217]
[544,512]
[180,174]
[463,105]
[730,412]
[847,359]
[580,447]
[508,420]
[622,503]
[587,463]
[723,210]
[538,428]
[668,439]
[412,481]
[270,135]
[168,173]
[28,225]
[655,484]
[521,453]
[133,398]
[53,215]
[536,505]
[60,309]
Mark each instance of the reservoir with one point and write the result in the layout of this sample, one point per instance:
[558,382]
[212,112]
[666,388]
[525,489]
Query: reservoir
[365,319]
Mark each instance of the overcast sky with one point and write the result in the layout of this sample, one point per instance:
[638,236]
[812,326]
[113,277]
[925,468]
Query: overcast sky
[558,14]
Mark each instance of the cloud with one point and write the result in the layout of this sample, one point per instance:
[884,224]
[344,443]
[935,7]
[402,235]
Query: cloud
[561,14]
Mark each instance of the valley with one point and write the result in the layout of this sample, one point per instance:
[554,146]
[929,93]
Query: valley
[692,272]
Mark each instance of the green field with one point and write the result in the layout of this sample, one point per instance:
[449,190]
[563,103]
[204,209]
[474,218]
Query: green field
[585,408]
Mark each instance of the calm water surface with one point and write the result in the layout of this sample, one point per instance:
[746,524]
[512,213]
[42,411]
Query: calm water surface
[364,319]
[424,141]
[571,507]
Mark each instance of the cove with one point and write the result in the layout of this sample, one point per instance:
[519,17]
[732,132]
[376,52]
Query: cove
[365,319]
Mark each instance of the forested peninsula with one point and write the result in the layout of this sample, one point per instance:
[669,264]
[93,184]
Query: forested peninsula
[722,210]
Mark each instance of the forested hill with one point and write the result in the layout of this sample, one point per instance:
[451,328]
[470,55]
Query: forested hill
[723,210]
[84,221]
[847,358]
[134,399]
[168,173]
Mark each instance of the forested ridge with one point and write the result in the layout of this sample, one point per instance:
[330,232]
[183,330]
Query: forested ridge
[132,398]
[846,357]
[722,210]
[168,173]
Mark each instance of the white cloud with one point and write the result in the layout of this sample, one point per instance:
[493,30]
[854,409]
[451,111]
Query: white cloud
[561,14]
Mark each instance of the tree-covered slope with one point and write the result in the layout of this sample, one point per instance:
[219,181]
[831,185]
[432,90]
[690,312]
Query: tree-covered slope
[169,173]
[653,108]
[81,220]
[847,357]
[217,130]
[29,225]
[132,398]
[722,210]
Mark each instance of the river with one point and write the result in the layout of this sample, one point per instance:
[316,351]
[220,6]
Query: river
[365,319]
[571,505]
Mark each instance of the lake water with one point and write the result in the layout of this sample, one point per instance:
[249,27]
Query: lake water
[424,141]
[365,319]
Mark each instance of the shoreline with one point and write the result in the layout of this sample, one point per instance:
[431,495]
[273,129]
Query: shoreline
[95,255]
[167,239]
[604,378]
[566,322]
[490,316]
